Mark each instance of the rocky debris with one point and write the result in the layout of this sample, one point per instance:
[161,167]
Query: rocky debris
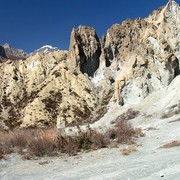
[85,49]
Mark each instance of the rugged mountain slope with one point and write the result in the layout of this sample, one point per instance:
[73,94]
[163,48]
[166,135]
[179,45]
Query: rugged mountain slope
[142,55]
[45,49]
[43,90]
[149,161]
[14,54]
[133,60]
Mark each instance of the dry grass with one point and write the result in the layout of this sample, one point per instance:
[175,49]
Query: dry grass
[28,142]
[121,133]
[83,141]
[128,115]
[171,144]
[128,150]
[50,141]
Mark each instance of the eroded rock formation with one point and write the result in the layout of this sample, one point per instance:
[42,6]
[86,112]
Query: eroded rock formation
[43,90]
[142,55]
[68,87]
[85,49]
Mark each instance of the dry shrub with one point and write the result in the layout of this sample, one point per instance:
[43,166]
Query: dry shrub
[122,132]
[99,140]
[171,144]
[128,150]
[50,142]
[43,144]
[83,141]
[16,139]
[128,115]
[4,150]
[35,142]
[41,147]
[67,144]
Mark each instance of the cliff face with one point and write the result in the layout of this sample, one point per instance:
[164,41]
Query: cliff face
[130,62]
[85,49]
[143,55]
[2,54]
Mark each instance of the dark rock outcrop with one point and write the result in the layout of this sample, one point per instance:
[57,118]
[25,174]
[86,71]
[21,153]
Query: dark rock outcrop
[14,54]
[85,49]
[2,54]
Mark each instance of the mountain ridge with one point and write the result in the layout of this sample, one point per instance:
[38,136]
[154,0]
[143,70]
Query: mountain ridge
[133,60]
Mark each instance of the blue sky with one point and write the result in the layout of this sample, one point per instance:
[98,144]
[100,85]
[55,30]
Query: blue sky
[30,24]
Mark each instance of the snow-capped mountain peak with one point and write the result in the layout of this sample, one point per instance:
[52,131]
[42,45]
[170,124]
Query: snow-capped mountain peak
[46,49]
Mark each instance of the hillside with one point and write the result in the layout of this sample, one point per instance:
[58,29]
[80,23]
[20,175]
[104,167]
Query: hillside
[131,75]
[133,60]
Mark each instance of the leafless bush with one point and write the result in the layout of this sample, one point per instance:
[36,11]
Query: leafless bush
[129,114]
[83,141]
[37,142]
[67,144]
[16,139]
[122,132]
[99,140]
[50,142]
[41,146]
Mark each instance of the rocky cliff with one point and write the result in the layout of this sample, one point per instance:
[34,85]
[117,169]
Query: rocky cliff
[142,55]
[2,54]
[85,49]
[7,52]
[131,61]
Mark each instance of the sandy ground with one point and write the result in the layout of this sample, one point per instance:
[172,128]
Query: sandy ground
[148,162]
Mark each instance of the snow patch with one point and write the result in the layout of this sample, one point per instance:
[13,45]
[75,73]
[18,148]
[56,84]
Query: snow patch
[98,76]
[46,49]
